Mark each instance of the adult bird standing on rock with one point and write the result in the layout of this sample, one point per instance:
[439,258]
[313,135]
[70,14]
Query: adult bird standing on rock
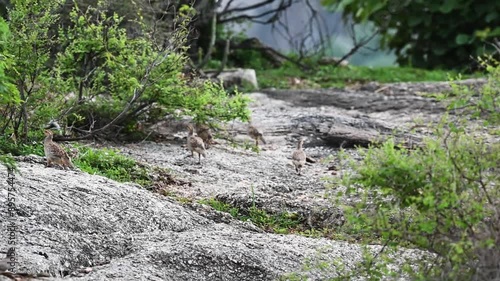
[54,153]
[299,157]
[195,144]
[255,134]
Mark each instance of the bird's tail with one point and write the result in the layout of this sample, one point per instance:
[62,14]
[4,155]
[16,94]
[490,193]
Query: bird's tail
[262,139]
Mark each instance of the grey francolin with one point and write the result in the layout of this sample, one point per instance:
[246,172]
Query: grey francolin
[203,131]
[54,153]
[255,134]
[195,144]
[299,157]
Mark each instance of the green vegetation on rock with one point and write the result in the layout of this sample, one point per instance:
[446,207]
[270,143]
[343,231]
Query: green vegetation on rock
[331,76]
[441,197]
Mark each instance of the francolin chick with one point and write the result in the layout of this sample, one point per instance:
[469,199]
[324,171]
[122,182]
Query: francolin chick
[255,134]
[195,144]
[203,131]
[299,157]
[55,153]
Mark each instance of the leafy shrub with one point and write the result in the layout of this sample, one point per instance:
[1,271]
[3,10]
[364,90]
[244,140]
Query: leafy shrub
[30,48]
[483,104]
[442,197]
[35,146]
[9,95]
[427,34]
[95,77]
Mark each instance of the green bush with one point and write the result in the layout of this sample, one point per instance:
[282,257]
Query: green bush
[442,198]
[485,104]
[427,34]
[30,49]
[94,77]
[9,95]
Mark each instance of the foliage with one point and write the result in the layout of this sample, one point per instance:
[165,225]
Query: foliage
[9,95]
[328,76]
[250,58]
[427,34]
[442,198]
[111,164]
[133,74]
[484,104]
[18,148]
[8,91]
[221,206]
[30,24]
[7,161]
[93,76]
[277,223]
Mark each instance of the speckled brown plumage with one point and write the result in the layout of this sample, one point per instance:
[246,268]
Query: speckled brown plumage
[255,134]
[54,153]
[195,144]
[299,157]
[204,132]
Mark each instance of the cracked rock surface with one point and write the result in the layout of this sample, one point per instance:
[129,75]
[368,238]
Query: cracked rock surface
[75,226]
[86,227]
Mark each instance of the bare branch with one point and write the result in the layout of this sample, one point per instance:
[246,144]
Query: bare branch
[314,36]
[284,4]
[357,44]
[247,8]
[227,7]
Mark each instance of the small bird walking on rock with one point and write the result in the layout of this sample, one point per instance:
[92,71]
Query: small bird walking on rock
[299,157]
[54,153]
[195,144]
[203,131]
[255,134]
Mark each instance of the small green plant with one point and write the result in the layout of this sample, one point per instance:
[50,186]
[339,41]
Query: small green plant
[111,164]
[7,161]
[283,223]
[221,206]
[246,145]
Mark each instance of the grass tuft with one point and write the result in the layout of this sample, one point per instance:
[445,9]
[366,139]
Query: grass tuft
[113,165]
[338,77]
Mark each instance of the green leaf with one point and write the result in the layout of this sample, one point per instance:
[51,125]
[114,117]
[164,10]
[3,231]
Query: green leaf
[495,32]
[491,16]
[448,6]
[462,39]
[414,21]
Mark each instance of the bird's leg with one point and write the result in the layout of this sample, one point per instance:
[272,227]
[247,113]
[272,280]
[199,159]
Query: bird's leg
[199,158]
